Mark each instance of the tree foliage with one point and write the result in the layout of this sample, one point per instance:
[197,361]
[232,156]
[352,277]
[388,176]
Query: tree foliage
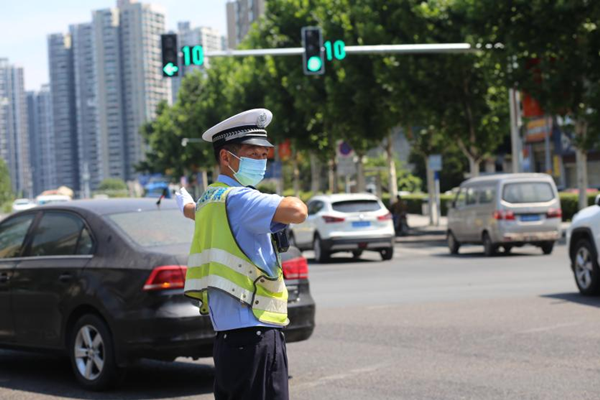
[451,104]
[6,193]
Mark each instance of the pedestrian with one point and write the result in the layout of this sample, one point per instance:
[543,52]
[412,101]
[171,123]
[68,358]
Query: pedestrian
[234,269]
[399,216]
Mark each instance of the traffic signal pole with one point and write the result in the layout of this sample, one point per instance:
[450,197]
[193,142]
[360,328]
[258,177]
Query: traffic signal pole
[375,49]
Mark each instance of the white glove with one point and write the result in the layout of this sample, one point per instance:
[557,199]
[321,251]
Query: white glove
[182,197]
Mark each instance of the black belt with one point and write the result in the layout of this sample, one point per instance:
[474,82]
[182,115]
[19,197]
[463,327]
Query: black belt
[255,330]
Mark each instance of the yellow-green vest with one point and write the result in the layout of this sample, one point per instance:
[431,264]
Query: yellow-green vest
[217,261]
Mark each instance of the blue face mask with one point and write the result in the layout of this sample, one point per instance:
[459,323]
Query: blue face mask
[250,171]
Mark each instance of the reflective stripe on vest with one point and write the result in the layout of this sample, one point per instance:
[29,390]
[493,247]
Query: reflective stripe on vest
[217,261]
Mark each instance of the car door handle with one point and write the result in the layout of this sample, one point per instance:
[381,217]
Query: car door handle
[4,277]
[66,277]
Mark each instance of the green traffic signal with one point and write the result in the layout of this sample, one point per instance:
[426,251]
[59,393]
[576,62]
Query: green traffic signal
[170,69]
[314,64]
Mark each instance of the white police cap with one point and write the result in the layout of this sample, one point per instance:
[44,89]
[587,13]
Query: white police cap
[247,127]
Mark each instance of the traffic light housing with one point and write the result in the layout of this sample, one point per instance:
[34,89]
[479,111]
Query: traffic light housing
[170,55]
[313,57]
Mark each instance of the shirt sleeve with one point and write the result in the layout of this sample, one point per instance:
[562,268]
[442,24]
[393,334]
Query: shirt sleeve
[254,210]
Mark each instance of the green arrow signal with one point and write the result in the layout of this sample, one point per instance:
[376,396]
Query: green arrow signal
[314,64]
[170,69]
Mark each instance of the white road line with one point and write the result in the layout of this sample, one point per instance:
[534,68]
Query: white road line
[344,376]
[533,330]
[550,328]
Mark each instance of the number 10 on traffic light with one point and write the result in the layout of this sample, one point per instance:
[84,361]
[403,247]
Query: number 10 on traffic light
[192,55]
[337,50]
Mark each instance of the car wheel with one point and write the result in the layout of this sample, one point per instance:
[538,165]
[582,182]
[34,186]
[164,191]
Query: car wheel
[453,244]
[357,253]
[321,255]
[547,247]
[92,354]
[585,269]
[387,254]
[489,248]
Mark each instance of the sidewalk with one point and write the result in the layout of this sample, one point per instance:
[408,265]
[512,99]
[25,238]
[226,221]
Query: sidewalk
[420,230]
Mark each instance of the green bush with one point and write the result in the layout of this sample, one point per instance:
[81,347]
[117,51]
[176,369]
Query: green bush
[569,203]
[6,208]
[304,196]
[414,202]
[112,193]
[267,187]
[112,184]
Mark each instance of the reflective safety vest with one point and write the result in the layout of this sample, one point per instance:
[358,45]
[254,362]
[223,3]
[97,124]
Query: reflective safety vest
[217,261]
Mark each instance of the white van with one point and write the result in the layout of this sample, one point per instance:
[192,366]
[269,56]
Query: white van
[507,211]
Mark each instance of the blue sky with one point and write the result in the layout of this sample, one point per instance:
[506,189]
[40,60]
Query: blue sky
[24,25]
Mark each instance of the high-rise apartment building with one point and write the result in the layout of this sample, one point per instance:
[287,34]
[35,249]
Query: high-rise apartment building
[143,84]
[109,92]
[62,88]
[106,82]
[14,135]
[209,38]
[86,108]
[41,140]
[240,16]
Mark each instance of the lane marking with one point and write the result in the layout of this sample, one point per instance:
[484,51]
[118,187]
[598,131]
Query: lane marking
[343,376]
[534,330]
[550,328]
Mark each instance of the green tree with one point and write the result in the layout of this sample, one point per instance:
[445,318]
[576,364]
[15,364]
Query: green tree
[551,52]
[6,193]
[459,96]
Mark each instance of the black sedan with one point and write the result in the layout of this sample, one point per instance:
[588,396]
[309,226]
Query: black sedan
[102,280]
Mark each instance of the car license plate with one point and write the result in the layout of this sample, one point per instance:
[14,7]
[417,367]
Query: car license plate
[361,224]
[530,217]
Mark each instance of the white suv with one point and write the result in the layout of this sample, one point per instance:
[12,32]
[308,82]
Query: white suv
[345,222]
[583,242]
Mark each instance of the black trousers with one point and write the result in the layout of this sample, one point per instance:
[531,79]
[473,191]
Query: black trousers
[251,364]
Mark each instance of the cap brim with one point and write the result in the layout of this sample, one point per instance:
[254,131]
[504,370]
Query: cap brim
[253,141]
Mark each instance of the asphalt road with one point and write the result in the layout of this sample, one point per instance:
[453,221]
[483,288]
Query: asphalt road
[422,326]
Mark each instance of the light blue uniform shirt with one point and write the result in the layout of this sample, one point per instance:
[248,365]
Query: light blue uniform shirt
[250,215]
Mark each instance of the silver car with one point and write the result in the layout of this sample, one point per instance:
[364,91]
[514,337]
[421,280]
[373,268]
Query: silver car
[505,211]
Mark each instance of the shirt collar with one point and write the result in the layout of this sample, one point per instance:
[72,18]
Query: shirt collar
[228,181]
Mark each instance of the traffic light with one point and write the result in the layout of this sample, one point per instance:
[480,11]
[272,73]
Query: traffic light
[313,56]
[170,55]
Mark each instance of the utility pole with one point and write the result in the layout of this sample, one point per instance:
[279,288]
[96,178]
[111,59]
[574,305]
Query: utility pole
[515,123]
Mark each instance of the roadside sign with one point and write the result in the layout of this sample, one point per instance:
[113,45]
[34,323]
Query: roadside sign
[435,162]
[344,149]
[346,166]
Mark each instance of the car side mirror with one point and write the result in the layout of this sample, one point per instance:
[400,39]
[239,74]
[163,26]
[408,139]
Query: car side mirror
[597,202]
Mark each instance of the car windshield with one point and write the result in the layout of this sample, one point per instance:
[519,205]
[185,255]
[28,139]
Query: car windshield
[351,206]
[156,227]
[528,192]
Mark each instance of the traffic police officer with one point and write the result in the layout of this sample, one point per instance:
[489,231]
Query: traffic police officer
[234,268]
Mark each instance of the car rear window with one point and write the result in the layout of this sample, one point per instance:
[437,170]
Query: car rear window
[528,192]
[350,206]
[155,228]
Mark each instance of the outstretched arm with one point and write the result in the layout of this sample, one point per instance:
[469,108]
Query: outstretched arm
[186,203]
[291,210]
